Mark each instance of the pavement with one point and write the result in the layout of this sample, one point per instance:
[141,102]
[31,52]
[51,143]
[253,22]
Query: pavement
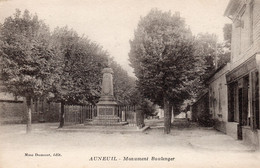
[205,138]
[188,145]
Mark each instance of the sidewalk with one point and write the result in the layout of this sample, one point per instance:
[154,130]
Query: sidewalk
[204,138]
[213,140]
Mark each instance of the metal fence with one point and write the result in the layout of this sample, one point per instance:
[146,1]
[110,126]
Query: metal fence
[77,114]
[128,114]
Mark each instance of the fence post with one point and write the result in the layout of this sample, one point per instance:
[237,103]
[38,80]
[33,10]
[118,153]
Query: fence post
[91,113]
[81,114]
[65,113]
[87,112]
[123,116]
[135,121]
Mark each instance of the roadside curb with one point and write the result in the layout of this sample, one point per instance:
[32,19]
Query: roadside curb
[144,128]
[207,148]
[100,129]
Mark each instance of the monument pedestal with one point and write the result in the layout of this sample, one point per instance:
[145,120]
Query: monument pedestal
[107,106]
[106,113]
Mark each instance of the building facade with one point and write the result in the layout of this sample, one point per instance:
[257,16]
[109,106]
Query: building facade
[243,77]
[218,99]
[13,109]
[200,110]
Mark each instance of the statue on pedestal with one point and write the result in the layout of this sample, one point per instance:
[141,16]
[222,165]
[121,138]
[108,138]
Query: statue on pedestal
[107,113]
[107,104]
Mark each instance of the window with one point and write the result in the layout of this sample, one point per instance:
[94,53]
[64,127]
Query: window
[243,32]
[219,98]
[257,111]
[233,102]
[255,99]
[245,102]
[251,22]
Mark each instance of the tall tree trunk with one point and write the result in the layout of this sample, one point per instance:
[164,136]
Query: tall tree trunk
[139,118]
[29,114]
[173,109]
[167,116]
[62,115]
[172,112]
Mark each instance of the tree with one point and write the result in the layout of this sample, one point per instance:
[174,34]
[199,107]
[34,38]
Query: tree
[211,55]
[206,47]
[214,53]
[26,58]
[81,63]
[162,57]
[225,55]
[147,107]
[124,85]
[227,30]
[205,51]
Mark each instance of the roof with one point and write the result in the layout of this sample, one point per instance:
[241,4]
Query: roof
[201,95]
[232,7]
[227,66]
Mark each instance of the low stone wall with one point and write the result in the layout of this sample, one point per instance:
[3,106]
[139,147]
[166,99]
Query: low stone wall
[12,112]
[231,129]
[250,137]
[220,126]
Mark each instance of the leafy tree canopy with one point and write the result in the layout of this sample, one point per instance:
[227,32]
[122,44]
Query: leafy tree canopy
[162,56]
[27,58]
[26,66]
[124,85]
[81,63]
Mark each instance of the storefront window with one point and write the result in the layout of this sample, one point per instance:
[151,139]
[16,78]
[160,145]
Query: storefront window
[233,102]
[255,102]
[244,104]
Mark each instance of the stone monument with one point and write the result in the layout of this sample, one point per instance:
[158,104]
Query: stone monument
[107,107]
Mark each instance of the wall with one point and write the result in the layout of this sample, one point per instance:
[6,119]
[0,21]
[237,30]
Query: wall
[240,36]
[12,112]
[12,109]
[43,111]
[231,129]
[218,97]
[200,110]
[250,137]
[244,45]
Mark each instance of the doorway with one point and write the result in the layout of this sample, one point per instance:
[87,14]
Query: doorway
[240,110]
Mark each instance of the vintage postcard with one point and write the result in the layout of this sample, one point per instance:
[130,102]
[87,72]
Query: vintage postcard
[129,83]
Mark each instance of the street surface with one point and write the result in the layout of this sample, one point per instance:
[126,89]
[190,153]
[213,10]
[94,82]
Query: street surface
[188,145]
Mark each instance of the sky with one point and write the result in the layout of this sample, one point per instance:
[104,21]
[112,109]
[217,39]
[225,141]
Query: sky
[111,23]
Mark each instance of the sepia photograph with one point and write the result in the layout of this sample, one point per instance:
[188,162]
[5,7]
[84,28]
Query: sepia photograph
[129,83]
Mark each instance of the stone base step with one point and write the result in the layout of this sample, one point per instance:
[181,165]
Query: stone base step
[105,120]
[106,123]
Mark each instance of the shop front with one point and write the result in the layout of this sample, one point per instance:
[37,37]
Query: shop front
[243,101]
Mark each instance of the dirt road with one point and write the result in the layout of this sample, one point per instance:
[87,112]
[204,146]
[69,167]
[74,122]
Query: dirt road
[187,146]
